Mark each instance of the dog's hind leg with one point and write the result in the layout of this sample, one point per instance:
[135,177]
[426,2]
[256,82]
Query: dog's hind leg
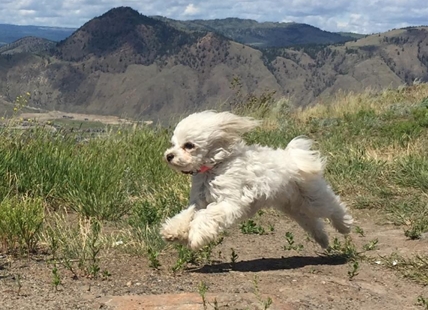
[322,202]
[314,226]
[340,218]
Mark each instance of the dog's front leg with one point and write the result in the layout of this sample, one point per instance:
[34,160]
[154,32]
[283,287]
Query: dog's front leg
[177,227]
[208,223]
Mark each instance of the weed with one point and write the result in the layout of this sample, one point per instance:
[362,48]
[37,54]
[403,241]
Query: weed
[251,227]
[289,237]
[202,256]
[202,290]
[415,268]
[76,245]
[266,303]
[94,247]
[346,250]
[185,256]
[233,256]
[106,274]
[359,231]
[21,220]
[422,301]
[18,281]
[56,279]
[371,245]
[354,270]
[417,229]
[153,258]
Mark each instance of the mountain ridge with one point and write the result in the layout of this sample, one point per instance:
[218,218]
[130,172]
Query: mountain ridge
[149,75]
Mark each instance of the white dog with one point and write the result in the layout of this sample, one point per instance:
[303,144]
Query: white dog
[231,181]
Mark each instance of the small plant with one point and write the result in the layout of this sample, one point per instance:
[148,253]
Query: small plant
[233,256]
[185,256]
[416,231]
[250,227]
[423,302]
[266,303]
[346,250]
[204,254]
[153,258]
[18,283]
[20,103]
[359,231]
[415,268]
[289,237]
[354,270]
[21,220]
[106,274]
[76,244]
[202,290]
[94,247]
[56,279]
[372,245]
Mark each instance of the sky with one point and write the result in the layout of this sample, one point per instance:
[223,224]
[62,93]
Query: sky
[361,16]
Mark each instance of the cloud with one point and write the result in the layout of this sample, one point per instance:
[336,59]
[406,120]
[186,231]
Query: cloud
[191,10]
[364,16]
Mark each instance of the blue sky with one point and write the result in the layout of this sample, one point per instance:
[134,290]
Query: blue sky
[363,16]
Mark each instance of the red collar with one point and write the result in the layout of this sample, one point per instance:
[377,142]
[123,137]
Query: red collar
[204,169]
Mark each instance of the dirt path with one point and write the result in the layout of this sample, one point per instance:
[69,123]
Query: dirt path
[263,269]
[108,120]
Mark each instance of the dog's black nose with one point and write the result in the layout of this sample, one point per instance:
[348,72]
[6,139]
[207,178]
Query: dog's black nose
[169,157]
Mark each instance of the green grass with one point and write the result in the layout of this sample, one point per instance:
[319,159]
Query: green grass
[115,188]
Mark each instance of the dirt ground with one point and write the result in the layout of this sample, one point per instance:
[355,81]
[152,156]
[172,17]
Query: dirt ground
[293,280]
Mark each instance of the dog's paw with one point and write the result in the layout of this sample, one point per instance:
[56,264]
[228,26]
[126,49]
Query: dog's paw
[170,233]
[196,241]
[201,233]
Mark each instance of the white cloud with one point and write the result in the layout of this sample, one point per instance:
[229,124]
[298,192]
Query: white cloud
[364,16]
[191,10]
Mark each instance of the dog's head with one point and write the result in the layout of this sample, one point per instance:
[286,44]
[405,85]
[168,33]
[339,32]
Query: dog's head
[204,139]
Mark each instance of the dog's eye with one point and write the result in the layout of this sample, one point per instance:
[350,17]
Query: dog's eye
[188,145]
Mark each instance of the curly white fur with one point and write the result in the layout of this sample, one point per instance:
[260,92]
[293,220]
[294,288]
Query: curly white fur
[241,179]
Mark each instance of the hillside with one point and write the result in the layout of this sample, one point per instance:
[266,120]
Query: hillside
[27,45]
[138,38]
[130,65]
[265,34]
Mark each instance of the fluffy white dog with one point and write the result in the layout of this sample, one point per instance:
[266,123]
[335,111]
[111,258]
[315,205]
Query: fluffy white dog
[231,181]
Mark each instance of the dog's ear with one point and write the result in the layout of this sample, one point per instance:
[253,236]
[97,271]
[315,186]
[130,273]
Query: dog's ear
[234,125]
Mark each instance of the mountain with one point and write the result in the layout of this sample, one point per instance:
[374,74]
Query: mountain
[125,31]
[10,33]
[127,64]
[27,45]
[266,34]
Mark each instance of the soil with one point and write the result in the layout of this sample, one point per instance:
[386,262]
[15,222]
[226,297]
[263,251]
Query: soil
[292,279]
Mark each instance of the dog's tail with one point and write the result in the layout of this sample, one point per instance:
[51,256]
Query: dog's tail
[309,164]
